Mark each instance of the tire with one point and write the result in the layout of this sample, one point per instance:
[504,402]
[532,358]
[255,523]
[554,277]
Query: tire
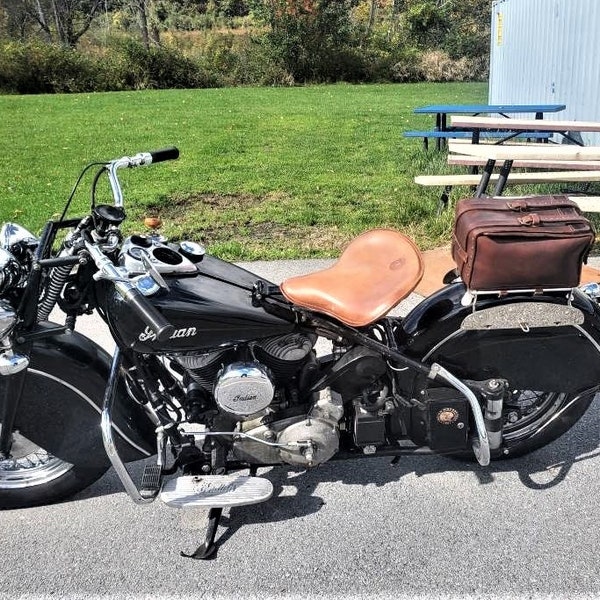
[540,418]
[40,478]
[32,475]
[561,362]
[58,447]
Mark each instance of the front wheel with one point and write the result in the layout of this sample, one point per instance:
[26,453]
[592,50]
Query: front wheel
[32,476]
[55,418]
[57,448]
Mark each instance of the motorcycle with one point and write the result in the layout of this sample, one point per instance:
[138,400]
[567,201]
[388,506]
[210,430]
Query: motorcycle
[215,372]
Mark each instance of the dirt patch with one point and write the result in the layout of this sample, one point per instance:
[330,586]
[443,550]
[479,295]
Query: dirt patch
[170,208]
[239,231]
[268,238]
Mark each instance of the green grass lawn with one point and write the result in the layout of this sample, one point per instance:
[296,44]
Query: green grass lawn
[263,173]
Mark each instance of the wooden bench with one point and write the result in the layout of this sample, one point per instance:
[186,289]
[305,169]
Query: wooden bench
[583,165]
[570,130]
[515,178]
[450,181]
[455,133]
[527,152]
[572,158]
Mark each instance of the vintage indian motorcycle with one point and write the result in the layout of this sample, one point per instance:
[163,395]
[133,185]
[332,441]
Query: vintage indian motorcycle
[215,372]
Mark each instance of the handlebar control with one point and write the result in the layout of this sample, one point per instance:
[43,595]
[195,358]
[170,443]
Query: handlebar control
[143,308]
[171,153]
[139,160]
[146,311]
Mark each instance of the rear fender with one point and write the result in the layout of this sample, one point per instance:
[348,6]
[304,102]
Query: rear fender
[564,358]
[62,400]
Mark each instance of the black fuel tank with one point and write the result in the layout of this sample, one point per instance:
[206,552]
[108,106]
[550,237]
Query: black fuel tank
[210,309]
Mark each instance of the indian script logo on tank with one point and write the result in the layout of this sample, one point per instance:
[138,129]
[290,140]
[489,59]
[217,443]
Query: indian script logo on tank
[149,336]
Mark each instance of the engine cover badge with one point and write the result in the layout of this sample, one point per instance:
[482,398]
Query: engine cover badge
[244,389]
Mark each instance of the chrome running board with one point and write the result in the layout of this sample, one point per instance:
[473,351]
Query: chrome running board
[215,491]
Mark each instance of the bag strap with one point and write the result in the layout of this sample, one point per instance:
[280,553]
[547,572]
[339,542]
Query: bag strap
[534,219]
[553,202]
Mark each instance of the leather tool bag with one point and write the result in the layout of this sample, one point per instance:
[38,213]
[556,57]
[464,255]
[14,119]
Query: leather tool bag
[503,244]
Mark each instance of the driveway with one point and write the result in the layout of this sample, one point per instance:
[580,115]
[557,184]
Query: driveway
[427,527]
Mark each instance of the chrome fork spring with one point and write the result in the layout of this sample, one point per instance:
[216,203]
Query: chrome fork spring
[57,276]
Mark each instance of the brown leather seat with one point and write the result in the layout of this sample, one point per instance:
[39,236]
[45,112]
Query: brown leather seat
[377,270]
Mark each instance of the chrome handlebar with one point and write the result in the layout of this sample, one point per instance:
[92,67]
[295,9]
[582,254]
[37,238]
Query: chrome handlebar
[139,160]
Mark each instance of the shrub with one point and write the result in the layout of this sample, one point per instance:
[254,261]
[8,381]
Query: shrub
[159,67]
[310,39]
[436,65]
[35,68]
[407,67]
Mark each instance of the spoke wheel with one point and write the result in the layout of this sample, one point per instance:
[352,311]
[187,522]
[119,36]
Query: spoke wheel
[29,465]
[526,410]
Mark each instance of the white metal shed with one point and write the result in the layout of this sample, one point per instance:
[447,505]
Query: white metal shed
[547,52]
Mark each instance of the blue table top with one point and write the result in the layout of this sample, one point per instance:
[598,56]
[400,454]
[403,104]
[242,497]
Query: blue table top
[490,108]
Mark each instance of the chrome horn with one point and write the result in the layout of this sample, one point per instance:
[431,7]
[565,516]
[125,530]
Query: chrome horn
[10,270]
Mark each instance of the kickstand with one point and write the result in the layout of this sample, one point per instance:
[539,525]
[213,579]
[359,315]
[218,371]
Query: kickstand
[208,549]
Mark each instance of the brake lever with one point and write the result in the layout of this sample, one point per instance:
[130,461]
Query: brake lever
[152,270]
[147,284]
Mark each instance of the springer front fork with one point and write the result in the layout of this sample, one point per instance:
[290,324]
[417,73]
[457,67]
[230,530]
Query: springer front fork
[12,378]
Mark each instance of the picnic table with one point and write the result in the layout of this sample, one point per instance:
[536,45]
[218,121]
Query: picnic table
[441,131]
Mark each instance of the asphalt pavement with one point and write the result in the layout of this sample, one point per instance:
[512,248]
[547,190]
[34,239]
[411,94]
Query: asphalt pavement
[426,527]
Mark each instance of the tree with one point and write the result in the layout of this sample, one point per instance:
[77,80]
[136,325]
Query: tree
[145,10]
[309,38]
[15,20]
[64,21]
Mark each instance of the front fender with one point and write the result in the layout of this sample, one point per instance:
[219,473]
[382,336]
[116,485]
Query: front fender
[565,358]
[62,400]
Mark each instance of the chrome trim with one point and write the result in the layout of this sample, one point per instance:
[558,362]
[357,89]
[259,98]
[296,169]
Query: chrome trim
[481,447]
[8,318]
[241,434]
[558,414]
[140,159]
[588,336]
[115,185]
[11,363]
[36,468]
[92,404]
[439,344]
[523,291]
[109,444]
[522,315]
[13,233]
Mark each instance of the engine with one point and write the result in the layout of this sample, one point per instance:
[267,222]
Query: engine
[246,381]
[262,390]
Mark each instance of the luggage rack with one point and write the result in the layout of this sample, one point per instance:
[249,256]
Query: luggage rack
[470,296]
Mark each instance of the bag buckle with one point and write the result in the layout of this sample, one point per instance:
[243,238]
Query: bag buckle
[531,220]
[518,205]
